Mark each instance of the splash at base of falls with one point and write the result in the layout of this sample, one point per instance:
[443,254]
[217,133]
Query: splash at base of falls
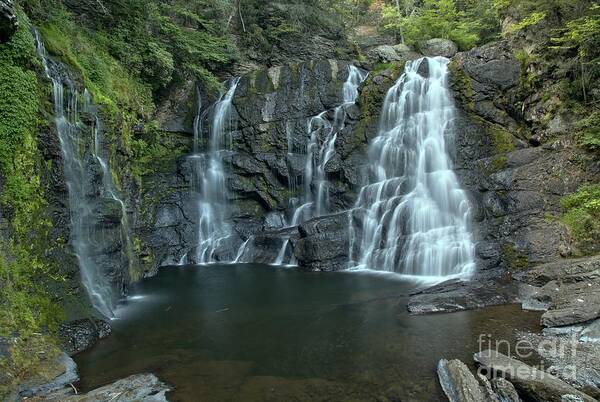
[415,216]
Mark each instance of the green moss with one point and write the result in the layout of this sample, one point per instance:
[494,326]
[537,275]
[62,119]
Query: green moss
[30,359]
[582,216]
[28,277]
[462,85]
[156,151]
[516,259]
[87,52]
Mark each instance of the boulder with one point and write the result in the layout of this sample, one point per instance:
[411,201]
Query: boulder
[390,54]
[80,335]
[504,390]
[458,382]
[438,47]
[532,383]
[323,243]
[384,54]
[8,20]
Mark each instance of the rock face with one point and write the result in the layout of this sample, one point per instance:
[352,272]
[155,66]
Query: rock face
[323,243]
[8,20]
[569,290]
[267,159]
[458,383]
[138,387]
[514,186]
[438,47]
[529,381]
[81,335]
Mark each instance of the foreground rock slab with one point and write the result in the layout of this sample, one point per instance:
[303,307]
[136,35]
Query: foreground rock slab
[457,295]
[458,382]
[530,382]
[138,387]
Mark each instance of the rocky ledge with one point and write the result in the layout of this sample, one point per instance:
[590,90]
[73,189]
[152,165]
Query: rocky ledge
[138,387]
[506,379]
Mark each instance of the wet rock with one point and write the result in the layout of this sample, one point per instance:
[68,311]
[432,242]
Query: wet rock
[530,382]
[323,243]
[564,271]
[438,47]
[138,387]
[504,390]
[8,20]
[458,295]
[458,382]
[264,247]
[79,335]
[66,373]
[573,304]
[569,356]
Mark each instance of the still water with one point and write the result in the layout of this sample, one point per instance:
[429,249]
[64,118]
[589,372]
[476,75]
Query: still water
[259,333]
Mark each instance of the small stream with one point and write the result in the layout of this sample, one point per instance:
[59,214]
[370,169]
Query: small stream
[251,332]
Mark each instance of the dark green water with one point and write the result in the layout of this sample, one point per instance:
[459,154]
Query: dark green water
[259,333]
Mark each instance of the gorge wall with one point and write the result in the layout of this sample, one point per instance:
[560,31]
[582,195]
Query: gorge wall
[512,149]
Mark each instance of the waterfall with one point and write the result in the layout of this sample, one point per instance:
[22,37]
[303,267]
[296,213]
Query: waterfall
[322,135]
[208,178]
[320,149]
[88,230]
[415,217]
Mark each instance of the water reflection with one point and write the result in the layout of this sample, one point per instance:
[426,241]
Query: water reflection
[248,332]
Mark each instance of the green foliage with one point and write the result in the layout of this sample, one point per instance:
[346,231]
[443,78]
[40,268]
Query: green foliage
[531,20]
[582,215]
[31,359]
[466,22]
[25,302]
[87,52]
[271,27]
[589,128]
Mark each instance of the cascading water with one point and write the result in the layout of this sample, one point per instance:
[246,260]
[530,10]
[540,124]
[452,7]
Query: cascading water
[416,216]
[85,196]
[321,148]
[208,181]
[320,131]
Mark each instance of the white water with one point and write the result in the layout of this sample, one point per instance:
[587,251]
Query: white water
[208,181]
[320,149]
[86,233]
[416,216]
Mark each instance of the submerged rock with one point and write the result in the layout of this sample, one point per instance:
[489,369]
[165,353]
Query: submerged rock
[532,383]
[138,387]
[458,382]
